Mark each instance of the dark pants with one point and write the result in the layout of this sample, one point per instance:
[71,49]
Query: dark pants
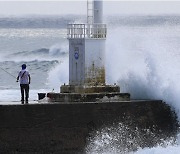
[24,88]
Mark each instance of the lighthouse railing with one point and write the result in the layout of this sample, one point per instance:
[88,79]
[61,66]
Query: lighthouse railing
[93,31]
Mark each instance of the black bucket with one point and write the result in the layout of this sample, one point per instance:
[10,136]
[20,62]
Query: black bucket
[41,96]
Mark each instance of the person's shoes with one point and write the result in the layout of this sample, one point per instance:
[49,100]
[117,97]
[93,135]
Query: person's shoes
[22,102]
[26,102]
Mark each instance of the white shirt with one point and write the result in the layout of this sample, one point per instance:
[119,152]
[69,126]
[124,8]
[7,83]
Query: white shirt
[24,79]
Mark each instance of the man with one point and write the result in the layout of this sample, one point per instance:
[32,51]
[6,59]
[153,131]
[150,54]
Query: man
[25,80]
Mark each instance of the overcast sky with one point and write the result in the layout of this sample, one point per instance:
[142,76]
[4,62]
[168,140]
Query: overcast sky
[79,7]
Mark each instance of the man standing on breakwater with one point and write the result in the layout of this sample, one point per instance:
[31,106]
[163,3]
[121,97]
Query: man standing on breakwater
[25,80]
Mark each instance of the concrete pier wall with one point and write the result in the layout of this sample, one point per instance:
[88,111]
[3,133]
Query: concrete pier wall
[93,97]
[65,128]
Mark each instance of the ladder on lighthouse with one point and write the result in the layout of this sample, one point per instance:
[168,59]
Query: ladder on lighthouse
[90,11]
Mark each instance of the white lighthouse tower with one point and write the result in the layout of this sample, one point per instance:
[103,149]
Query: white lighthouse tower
[87,48]
[87,53]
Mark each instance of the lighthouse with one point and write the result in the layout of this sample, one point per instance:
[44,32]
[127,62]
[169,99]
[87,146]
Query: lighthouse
[87,61]
[87,48]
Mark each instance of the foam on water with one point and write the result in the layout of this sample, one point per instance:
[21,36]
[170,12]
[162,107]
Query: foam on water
[121,139]
[168,149]
[145,62]
[160,150]
[59,75]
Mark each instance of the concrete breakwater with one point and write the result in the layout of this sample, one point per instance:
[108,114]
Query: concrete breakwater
[67,127]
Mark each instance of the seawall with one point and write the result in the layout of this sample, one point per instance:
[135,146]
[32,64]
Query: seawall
[66,128]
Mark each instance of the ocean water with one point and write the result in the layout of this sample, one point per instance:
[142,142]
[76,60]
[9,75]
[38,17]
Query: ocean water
[142,56]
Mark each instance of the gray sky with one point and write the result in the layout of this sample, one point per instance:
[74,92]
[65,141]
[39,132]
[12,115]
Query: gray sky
[79,7]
